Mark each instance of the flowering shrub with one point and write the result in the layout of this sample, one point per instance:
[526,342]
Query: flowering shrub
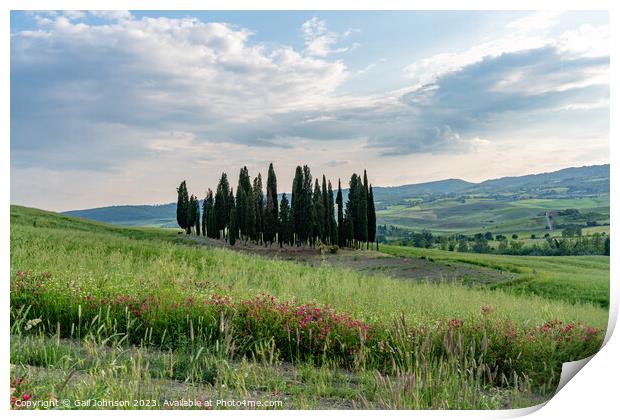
[27,287]
[539,350]
[308,331]
[302,330]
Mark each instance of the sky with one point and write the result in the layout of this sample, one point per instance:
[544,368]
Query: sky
[120,107]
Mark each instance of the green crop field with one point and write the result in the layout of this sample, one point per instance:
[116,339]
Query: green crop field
[143,313]
[574,279]
[490,213]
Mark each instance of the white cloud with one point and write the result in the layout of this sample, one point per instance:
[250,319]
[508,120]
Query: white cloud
[428,70]
[319,40]
[111,14]
[537,21]
[527,33]
[211,67]
[586,41]
[73,14]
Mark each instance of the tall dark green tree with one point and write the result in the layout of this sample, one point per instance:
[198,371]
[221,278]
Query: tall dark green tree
[259,206]
[231,206]
[366,195]
[284,222]
[309,216]
[325,219]
[361,216]
[319,212]
[358,212]
[204,218]
[182,206]
[333,227]
[197,216]
[221,205]
[351,211]
[348,228]
[250,217]
[372,217]
[271,207]
[241,204]
[208,214]
[341,236]
[244,190]
[192,211]
[233,231]
[297,203]
[211,225]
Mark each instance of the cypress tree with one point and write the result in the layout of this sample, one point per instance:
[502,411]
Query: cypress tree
[333,228]
[351,212]
[361,218]
[204,217]
[367,197]
[240,200]
[271,206]
[326,218]
[348,229]
[258,207]
[231,206]
[244,191]
[284,222]
[211,225]
[372,217]
[182,206]
[250,216]
[358,211]
[233,231]
[319,213]
[209,214]
[341,236]
[296,204]
[308,213]
[221,206]
[197,216]
[241,206]
[244,180]
[192,210]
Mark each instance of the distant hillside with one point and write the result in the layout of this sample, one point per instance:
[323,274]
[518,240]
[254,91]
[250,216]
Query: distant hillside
[163,215]
[565,183]
[586,179]
[435,187]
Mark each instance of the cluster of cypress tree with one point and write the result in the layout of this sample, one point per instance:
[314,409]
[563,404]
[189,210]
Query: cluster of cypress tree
[309,218]
[188,210]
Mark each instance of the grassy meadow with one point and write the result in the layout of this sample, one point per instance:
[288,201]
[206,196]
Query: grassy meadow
[99,310]
[569,278]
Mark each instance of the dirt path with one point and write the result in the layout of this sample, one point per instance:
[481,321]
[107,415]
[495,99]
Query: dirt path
[372,262]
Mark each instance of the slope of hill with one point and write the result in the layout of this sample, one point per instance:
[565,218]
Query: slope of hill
[585,179]
[131,313]
[446,186]
[162,215]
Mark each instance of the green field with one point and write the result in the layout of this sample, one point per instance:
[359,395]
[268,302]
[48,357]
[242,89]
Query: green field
[569,278]
[216,323]
[489,213]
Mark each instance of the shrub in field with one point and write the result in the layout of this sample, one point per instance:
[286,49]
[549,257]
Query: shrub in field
[493,349]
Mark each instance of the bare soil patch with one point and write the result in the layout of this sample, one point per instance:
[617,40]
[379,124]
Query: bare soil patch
[372,262]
